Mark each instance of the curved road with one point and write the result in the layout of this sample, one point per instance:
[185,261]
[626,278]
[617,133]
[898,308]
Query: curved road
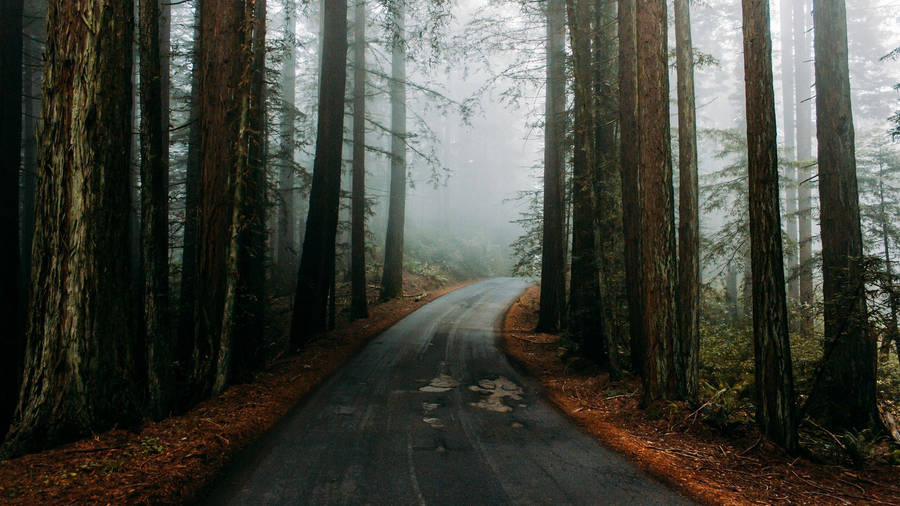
[431,412]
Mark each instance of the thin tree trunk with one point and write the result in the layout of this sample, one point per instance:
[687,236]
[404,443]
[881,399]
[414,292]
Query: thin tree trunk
[10,163]
[731,292]
[392,278]
[657,231]
[222,92]
[687,346]
[317,262]
[789,126]
[804,158]
[775,404]
[286,254]
[844,394]
[359,303]
[893,333]
[553,278]
[79,359]
[155,212]
[631,177]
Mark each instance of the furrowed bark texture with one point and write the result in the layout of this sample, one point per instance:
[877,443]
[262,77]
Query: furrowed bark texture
[79,351]
[221,56]
[687,346]
[608,187]
[844,394]
[359,303]
[10,161]
[657,231]
[392,278]
[631,177]
[155,213]
[585,304]
[775,407]
[553,279]
[317,262]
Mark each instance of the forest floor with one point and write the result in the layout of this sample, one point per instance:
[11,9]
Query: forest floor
[673,443]
[176,459]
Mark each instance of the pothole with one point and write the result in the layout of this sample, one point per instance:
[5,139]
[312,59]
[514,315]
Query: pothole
[496,390]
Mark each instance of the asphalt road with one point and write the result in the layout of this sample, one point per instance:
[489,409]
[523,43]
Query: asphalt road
[431,412]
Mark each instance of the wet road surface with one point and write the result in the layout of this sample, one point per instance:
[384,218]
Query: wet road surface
[431,412]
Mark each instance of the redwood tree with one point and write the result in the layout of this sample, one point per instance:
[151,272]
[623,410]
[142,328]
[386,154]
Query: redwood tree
[392,277]
[359,303]
[659,323]
[154,211]
[317,262]
[553,251]
[631,177]
[687,346]
[775,407]
[79,349]
[844,394]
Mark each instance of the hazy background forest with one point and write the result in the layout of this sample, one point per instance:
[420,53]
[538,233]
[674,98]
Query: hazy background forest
[474,85]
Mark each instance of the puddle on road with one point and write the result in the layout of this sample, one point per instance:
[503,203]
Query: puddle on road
[441,384]
[497,390]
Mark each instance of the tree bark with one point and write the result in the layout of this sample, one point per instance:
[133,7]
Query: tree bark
[687,346]
[286,255]
[221,93]
[775,404]
[790,143]
[155,212]
[631,177]
[392,278]
[657,231]
[844,394]
[585,304]
[79,352]
[10,163]
[553,279]
[804,158]
[359,302]
[317,262]
[190,250]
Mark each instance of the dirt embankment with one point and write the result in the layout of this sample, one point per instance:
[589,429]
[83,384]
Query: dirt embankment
[172,461]
[674,444]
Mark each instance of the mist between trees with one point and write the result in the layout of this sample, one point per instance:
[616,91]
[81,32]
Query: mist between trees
[707,193]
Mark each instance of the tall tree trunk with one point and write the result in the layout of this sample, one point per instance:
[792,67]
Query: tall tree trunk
[844,393]
[607,186]
[79,352]
[775,406]
[657,231]
[10,163]
[631,177]
[155,212]
[687,346]
[585,305]
[392,279]
[359,303]
[553,279]
[731,292]
[286,254]
[804,158]
[243,315]
[790,134]
[317,262]
[190,250]
[221,89]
